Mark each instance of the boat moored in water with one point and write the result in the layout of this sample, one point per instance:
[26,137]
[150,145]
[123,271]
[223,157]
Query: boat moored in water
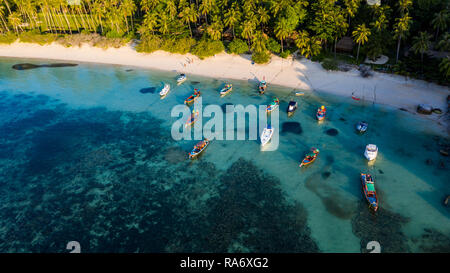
[371,152]
[361,127]
[193,97]
[262,86]
[200,147]
[370,194]
[228,87]
[266,135]
[165,90]
[181,78]
[321,112]
[273,105]
[292,106]
[310,157]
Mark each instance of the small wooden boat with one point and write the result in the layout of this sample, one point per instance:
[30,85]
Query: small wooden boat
[310,157]
[361,127]
[193,97]
[299,93]
[273,105]
[200,147]
[266,135]
[369,190]
[165,90]
[226,89]
[292,106]
[371,152]
[181,78]
[355,97]
[321,112]
[192,119]
[262,86]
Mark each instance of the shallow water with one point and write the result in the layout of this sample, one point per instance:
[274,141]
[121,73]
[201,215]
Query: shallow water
[86,154]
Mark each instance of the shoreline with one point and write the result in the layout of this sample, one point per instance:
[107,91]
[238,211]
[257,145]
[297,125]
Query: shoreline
[305,75]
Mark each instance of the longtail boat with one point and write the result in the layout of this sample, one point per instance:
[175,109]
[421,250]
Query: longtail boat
[200,147]
[369,190]
[293,105]
[181,78]
[262,86]
[273,105]
[193,97]
[226,89]
[310,157]
[321,112]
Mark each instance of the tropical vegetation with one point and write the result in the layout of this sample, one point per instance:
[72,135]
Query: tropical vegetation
[308,28]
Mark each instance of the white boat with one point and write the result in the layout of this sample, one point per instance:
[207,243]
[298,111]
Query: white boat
[165,90]
[371,152]
[181,78]
[299,93]
[266,135]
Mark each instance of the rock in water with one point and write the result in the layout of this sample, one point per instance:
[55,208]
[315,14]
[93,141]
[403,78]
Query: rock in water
[291,127]
[332,132]
[27,66]
[148,90]
[424,109]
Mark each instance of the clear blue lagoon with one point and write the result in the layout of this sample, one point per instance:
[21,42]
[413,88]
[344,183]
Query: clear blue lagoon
[86,155]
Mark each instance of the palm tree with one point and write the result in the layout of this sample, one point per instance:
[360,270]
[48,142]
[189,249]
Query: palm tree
[148,5]
[302,40]
[351,7]
[440,21]
[149,24]
[215,29]
[2,17]
[282,30]
[444,43]
[263,15]
[421,44]
[163,23]
[400,30]
[232,17]
[403,6]
[259,41]
[206,7]
[340,25]
[248,28]
[444,66]
[15,20]
[360,35]
[189,15]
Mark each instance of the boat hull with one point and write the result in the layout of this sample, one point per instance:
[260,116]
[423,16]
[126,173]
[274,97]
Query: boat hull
[195,153]
[372,201]
[266,136]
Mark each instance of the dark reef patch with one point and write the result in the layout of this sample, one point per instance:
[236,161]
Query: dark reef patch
[238,215]
[291,127]
[146,90]
[332,132]
[325,175]
[383,226]
[334,203]
[433,241]
[195,82]
[27,66]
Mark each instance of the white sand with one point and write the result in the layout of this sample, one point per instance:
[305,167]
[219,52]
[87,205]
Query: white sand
[302,74]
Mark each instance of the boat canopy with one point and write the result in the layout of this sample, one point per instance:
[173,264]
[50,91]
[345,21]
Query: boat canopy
[370,187]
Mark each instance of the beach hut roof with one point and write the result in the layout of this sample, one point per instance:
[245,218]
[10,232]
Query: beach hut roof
[345,44]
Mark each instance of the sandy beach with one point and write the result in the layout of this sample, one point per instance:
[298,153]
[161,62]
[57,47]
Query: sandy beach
[392,90]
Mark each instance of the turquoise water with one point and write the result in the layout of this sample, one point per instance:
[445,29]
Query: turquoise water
[86,156]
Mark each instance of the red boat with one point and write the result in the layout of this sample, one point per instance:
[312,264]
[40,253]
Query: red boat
[310,157]
[321,112]
[193,97]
